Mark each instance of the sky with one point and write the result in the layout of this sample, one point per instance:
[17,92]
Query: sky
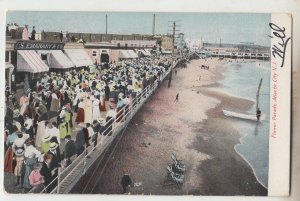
[210,27]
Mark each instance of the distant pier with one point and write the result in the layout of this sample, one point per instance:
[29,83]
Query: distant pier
[235,55]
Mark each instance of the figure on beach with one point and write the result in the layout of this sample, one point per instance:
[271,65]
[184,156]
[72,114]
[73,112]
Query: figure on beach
[177,97]
[258,114]
[126,180]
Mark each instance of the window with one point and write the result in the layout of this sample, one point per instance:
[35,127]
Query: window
[94,53]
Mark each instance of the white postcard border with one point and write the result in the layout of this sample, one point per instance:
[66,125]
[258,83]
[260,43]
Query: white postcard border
[280,105]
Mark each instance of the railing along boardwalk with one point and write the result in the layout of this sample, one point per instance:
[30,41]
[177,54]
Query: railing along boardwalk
[69,176]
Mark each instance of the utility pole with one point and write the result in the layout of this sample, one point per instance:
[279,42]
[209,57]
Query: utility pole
[106,24]
[153,25]
[173,53]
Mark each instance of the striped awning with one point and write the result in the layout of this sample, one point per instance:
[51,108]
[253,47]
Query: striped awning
[79,57]
[30,61]
[147,52]
[128,54]
[57,59]
[132,54]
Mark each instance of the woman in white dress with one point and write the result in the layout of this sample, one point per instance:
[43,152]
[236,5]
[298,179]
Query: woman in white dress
[88,111]
[41,129]
[54,103]
[24,102]
[96,109]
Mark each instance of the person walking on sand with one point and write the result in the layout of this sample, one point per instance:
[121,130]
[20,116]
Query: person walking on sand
[177,97]
[126,180]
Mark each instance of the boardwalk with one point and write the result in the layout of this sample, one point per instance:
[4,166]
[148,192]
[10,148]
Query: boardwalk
[164,126]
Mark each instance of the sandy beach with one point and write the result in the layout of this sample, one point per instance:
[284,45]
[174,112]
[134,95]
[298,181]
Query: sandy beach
[194,128]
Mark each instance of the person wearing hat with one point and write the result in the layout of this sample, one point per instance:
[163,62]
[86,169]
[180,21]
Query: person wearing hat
[54,106]
[68,117]
[31,155]
[8,158]
[24,102]
[69,150]
[48,100]
[96,108]
[19,157]
[46,142]
[47,173]
[53,151]
[110,117]
[34,106]
[30,96]
[80,142]
[107,92]
[88,110]
[64,129]
[28,124]
[80,114]
[41,129]
[35,178]
[126,180]
[102,101]
[18,149]
[19,120]
[54,132]
[12,137]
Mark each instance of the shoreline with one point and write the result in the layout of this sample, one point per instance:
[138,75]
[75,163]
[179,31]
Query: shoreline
[251,168]
[223,96]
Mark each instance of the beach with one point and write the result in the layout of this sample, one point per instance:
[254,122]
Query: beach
[194,128]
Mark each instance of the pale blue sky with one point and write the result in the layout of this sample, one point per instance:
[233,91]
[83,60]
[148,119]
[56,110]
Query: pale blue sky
[231,28]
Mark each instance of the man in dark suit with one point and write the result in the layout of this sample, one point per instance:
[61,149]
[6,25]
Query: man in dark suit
[80,142]
[48,100]
[126,180]
[55,162]
[47,173]
[69,149]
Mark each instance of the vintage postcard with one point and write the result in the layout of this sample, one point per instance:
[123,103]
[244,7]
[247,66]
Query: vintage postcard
[147,103]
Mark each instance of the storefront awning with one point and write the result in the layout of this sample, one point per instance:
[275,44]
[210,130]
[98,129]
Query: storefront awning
[30,61]
[132,54]
[147,52]
[128,54]
[124,54]
[57,59]
[79,57]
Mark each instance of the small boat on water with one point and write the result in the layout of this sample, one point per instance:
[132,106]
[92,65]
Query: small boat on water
[247,116]
[255,117]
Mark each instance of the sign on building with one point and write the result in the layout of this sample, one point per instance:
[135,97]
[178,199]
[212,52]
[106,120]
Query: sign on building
[34,45]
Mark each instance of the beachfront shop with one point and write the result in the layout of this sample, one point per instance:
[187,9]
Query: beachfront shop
[101,52]
[33,60]
[99,56]
[56,60]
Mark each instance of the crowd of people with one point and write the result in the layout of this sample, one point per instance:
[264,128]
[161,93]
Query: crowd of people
[62,113]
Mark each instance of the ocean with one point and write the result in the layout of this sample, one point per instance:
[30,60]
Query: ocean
[242,79]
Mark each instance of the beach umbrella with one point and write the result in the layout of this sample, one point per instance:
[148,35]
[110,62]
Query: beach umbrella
[48,115]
